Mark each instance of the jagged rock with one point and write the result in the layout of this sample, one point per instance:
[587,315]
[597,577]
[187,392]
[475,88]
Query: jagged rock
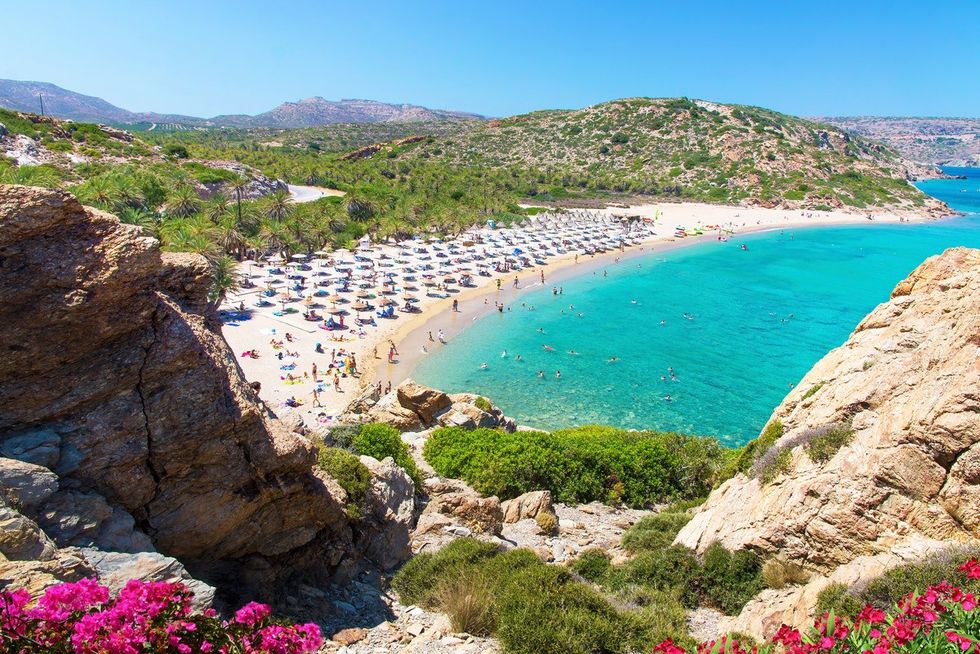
[426,402]
[392,502]
[114,569]
[528,505]
[350,636]
[150,409]
[80,519]
[21,539]
[37,575]
[480,514]
[389,410]
[41,447]
[905,383]
[26,485]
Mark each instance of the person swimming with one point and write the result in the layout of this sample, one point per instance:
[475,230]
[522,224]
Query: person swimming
[548,348]
[503,355]
[518,358]
[612,359]
[558,374]
[484,366]
[541,374]
[573,352]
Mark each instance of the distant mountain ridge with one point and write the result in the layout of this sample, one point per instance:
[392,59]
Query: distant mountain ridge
[309,112]
[934,140]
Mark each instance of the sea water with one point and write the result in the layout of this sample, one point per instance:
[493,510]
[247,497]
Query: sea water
[724,332]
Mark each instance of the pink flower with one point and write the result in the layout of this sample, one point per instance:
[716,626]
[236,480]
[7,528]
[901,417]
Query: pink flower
[971,568]
[252,613]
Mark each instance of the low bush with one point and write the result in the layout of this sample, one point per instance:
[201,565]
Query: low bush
[381,441]
[531,607]
[547,522]
[774,463]
[728,579]
[348,471]
[579,465]
[779,573]
[891,586]
[483,404]
[592,564]
[837,598]
[654,532]
[743,459]
[813,390]
[824,443]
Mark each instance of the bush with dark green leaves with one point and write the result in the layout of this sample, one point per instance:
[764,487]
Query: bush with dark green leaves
[381,441]
[579,465]
[348,471]
[654,532]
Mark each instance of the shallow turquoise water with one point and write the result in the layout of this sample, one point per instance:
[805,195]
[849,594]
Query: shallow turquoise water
[761,319]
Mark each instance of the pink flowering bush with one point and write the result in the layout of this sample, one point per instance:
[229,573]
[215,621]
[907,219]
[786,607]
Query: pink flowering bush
[81,618]
[942,619]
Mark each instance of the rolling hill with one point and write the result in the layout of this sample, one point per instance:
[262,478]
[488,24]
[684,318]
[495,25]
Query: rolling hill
[690,149]
[310,112]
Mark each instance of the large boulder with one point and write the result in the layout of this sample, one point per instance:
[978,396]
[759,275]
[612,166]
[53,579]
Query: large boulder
[391,499]
[25,484]
[904,389]
[426,402]
[528,505]
[114,374]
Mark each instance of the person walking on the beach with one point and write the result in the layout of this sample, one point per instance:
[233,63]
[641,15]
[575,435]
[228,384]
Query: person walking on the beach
[336,383]
[391,354]
[314,371]
[542,277]
[316,398]
[456,306]
[431,340]
[498,284]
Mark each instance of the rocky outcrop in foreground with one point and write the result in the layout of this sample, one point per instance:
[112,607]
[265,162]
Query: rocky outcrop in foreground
[126,422]
[903,396]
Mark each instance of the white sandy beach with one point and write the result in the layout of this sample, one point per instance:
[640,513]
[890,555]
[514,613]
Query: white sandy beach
[409,331]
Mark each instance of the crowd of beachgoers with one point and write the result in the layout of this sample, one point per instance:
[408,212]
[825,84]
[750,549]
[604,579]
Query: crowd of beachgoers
[313,330]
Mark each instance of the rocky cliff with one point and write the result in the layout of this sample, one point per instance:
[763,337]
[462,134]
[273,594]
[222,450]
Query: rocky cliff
[901,401]
[114,380]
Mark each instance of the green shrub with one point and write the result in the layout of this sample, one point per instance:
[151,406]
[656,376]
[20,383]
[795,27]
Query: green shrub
[382,441]
[483,404]
[592,564]
[778,464]
[837,598]
[729,579]
[654,532]
[743,459]
[529,606]
[813,390]
[825,444]
[547,522]
[579,465]
[416,583]
[352,475]
[176,151]
[343,435]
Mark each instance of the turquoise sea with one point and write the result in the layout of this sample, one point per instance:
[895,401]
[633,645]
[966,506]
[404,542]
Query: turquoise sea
[761,319]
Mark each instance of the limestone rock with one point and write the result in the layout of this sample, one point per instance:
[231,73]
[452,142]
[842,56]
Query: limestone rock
[85,519]
[21,539]
[480,514]
[424,401]
[528,505]
[41,447]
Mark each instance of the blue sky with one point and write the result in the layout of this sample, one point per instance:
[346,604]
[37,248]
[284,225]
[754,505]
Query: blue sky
[499,58]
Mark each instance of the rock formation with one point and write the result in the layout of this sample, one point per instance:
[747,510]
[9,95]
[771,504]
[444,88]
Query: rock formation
[130,423]
[413,407]
[904,390]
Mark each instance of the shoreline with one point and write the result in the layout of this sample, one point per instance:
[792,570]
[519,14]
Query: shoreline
[411,335]
[409,332]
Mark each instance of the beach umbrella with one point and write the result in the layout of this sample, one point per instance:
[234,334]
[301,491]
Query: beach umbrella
[335,310]
[360,306]
[298,256]
[387,302]
[321,253]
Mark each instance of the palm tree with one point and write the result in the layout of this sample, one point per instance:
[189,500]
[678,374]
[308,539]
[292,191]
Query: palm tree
[30,176]
[223,279]
[216,207]
[278,207]
[358,208]
[144,219]
[98,191]
[183,202]
[239,187]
